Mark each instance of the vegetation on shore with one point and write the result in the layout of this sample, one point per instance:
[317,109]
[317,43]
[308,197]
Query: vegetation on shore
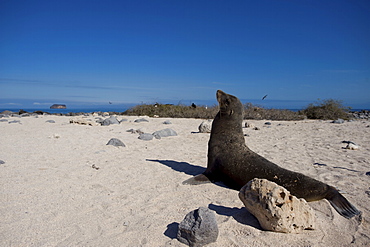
[326,109]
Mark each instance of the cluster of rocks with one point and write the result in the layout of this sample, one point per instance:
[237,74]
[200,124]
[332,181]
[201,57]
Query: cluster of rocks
[364,114]
[22,113]
[157,134]
[273,206]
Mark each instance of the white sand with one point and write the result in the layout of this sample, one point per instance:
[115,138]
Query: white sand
[51,195]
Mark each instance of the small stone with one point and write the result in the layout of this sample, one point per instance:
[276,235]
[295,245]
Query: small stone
[198,228]
[338,121]
[167,122]
[352,146]
[249,125]
[268,123]
[49,121]
[56,136]
[82,121]
[141,120]
[2,162]
[14,121]
[116,142]
[164,133]
[275,208]
[205,127]
[109,121]
[146,137]
[256,128]
[3,120]
[133,131]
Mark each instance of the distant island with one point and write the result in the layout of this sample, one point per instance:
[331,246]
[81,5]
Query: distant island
[58,106]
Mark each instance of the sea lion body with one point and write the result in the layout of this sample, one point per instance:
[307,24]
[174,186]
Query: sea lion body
[232,162]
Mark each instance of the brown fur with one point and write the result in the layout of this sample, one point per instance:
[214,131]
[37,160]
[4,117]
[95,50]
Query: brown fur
[232,162]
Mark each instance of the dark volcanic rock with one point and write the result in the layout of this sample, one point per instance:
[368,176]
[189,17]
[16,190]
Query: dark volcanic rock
[198,228]
[58,106]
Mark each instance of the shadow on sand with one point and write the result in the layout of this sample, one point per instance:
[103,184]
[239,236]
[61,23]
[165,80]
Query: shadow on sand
[181,166]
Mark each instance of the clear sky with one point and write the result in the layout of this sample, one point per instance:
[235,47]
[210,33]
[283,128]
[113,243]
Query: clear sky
[181,51]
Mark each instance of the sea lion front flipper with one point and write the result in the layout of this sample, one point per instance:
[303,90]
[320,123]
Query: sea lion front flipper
[340,203]
[198,179]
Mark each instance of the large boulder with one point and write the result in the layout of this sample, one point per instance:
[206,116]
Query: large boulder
[198,228]
[275,208]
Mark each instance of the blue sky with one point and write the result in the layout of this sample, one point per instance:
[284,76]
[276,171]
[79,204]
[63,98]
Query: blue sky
[91,52]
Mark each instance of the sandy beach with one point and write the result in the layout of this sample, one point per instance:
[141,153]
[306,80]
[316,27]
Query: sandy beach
[61,185]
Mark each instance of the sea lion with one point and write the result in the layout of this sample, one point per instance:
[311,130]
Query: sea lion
[233,163]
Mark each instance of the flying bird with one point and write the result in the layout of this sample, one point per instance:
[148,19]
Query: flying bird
[264,97]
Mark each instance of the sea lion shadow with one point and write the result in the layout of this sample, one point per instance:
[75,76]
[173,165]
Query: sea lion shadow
[181,166]
[241,215]
[172,230]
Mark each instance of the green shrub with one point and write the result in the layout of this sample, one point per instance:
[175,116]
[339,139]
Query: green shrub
[327,109]
[173,111]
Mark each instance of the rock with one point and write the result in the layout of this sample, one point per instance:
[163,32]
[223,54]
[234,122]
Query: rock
[83,122]
[49,121]
[109,121]
[14,121]
[132,131]
[56,136]
[116,142]
[249,125]
[3,120]
[275,208]
[352,146]
[167,122]
[338,121]
[198,228]
[146,137]
[256,128]
[205,127]
[58,106]
[164,133]
[123,120]
[268,123]
[2,162]
[141,120]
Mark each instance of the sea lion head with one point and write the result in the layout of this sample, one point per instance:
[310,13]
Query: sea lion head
[229,105]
